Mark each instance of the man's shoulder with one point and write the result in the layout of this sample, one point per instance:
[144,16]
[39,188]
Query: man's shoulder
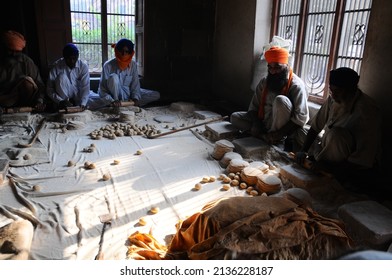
[297,83]
[297,79]
[58,62]
[110,61]
[24,57]
[82,63]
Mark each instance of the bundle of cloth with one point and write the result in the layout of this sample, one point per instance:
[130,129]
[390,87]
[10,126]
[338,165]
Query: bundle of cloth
[268,228]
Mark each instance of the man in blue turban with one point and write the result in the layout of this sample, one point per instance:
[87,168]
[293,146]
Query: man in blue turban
[68,84]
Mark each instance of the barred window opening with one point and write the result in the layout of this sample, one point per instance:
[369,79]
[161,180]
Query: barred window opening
[97,24]
[325,34]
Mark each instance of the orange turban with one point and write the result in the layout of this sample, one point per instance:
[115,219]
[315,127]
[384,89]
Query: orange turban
[14,41]
[277,55]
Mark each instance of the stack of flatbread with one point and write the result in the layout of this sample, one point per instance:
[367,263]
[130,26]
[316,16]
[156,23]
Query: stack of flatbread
[249,175]
[268,183]
[229,156]
[237,165]
[260,165]
[221,148]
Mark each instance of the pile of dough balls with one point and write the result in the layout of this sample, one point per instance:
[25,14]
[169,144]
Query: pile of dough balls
[204,180]
[117,129]
[233,179]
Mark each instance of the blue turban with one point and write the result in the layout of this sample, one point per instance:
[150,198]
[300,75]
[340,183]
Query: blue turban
[70,50]
[125,43]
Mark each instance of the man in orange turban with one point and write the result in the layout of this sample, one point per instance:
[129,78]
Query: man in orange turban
[120,80]
[21,84]
[278,110]
[14,41]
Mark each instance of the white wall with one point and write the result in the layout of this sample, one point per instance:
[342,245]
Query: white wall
[242,28]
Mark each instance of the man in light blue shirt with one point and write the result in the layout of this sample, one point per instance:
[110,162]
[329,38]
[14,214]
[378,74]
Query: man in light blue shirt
[120,79]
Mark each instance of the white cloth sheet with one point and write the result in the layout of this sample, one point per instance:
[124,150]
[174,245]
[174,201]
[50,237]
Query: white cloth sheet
[66,209]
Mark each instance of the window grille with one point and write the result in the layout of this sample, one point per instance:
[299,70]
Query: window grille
[325,34]
[97,24]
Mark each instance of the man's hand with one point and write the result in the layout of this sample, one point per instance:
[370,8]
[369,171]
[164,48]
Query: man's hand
[135,101]
[63,104]
[300,157]
[40,106]
[116,103]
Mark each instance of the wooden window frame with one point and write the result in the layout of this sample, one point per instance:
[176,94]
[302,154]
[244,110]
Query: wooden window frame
[139,35]
[299,48]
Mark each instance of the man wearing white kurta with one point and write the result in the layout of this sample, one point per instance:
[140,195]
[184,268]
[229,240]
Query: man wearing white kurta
[279,107]
[69,80]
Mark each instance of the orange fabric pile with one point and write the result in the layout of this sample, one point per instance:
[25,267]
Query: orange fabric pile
[251,228]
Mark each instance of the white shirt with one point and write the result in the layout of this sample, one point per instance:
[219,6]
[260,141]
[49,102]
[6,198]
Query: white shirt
[129,80]
[79,78]
[297,95]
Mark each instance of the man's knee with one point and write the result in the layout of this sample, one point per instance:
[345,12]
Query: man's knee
[283,102]
[27,85]
[113,79]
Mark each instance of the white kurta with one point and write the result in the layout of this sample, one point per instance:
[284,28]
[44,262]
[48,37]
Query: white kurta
[65,83]
[360,119]
[297,95]
[277,111]
[128,87]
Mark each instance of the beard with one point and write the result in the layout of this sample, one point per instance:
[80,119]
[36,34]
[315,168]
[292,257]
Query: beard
[276,82]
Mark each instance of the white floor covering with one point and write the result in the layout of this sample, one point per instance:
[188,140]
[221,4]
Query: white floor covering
[66,209]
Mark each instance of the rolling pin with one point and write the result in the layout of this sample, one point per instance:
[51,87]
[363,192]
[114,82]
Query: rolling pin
[77,109]
[18,110]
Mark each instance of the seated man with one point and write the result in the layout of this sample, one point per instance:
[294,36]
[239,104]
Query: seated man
[279,107]
[69,80]
[21,84]
[351,144]
[120,79]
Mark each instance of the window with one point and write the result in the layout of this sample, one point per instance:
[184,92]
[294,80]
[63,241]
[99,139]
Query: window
[97,24]
[325,34]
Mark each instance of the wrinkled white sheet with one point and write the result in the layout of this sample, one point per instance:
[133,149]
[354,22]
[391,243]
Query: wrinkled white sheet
[66,210]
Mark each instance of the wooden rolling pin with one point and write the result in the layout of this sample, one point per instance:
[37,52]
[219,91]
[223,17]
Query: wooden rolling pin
[18,110]
[188,127]
[77,109]
[70,110]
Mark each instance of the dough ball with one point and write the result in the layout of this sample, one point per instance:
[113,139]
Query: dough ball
[142,221]
[27,157]
[226,180]
[106,177]
[154,210]
[234,182]
[205,179]
[254,193]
